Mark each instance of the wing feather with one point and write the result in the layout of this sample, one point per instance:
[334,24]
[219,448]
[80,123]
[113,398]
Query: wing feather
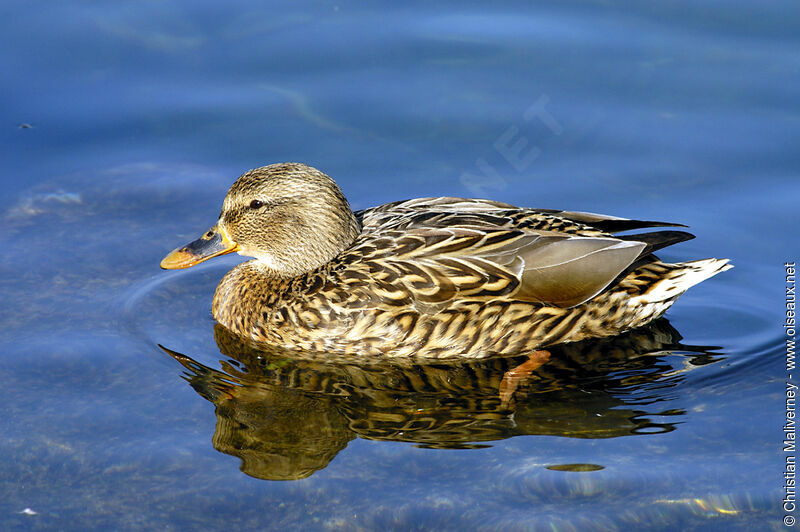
[447,248]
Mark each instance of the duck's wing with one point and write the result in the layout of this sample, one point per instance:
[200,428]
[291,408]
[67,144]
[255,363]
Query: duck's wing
[439,249]
[437,265]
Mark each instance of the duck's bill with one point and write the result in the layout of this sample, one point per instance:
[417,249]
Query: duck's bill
[211,244]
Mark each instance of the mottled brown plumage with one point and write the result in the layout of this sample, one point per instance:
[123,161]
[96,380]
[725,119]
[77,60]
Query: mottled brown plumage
[433,277]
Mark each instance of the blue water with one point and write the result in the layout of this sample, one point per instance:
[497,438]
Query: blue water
[122,127]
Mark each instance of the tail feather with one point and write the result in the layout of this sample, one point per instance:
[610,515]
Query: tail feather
[658,239]
[686,276]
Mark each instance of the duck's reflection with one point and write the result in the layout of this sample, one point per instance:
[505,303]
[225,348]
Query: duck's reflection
[286,415]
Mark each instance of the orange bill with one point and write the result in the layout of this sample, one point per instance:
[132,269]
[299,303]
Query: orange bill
[211,244]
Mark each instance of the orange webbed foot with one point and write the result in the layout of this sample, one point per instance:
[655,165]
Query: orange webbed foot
[514,377]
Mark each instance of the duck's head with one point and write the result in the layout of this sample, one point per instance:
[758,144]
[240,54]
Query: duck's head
[291,217]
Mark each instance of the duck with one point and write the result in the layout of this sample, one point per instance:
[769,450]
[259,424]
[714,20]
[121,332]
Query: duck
[438,277]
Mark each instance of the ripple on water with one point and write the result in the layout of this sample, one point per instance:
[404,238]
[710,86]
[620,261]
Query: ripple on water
[541,483]
[746,331]
[173,309]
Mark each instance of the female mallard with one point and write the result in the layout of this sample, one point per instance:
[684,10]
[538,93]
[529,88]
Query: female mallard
[435,277]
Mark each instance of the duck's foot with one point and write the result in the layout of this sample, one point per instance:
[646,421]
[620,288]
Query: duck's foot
[514,377]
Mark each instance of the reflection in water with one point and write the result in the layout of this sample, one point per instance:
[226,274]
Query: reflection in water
[287,414]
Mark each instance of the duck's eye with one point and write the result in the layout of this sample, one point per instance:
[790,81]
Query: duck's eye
[256,204]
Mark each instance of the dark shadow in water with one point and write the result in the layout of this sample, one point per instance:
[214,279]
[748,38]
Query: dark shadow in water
[287,415]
